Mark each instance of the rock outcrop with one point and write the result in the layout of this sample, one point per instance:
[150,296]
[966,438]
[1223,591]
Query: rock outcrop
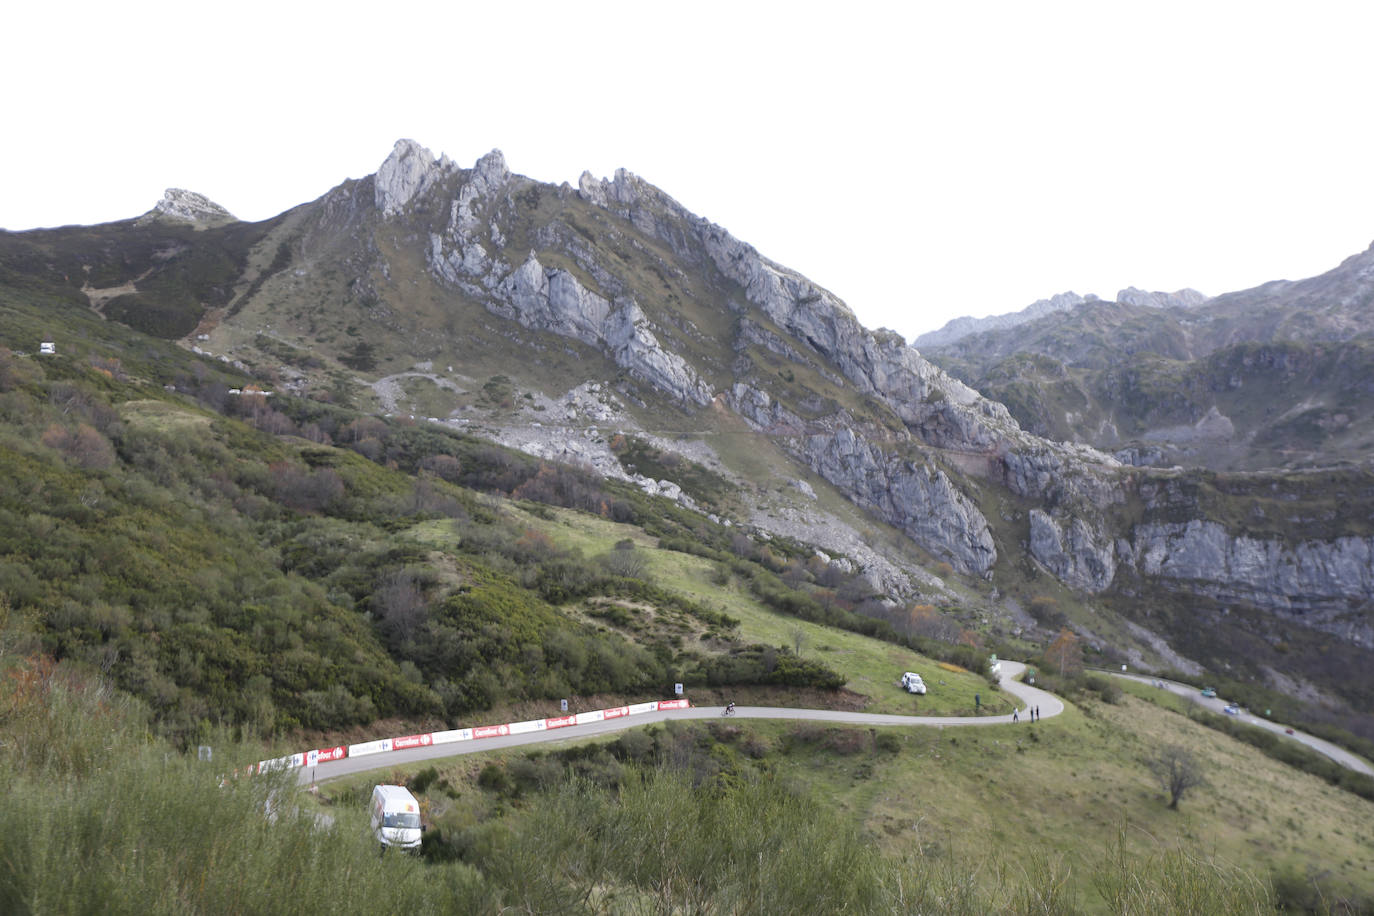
[1307,576]
[919,500]
[468,255]
[1179,299]
[1073,552]
[190,207]
[409,171]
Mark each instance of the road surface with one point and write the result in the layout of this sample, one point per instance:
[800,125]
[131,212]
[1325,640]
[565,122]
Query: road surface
[1218,705]
[1029,696]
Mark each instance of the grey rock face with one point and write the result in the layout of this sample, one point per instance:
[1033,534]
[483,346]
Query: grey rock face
[878,363]
[1306,576]
[190,207]
[1074,554]
[921,501]
[466,255]
[406,173]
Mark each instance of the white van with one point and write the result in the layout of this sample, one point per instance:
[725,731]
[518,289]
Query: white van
[395,817]
[912,683]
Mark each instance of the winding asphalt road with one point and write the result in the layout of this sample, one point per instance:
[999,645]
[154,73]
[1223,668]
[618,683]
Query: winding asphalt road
[1029,696]
[1218,705]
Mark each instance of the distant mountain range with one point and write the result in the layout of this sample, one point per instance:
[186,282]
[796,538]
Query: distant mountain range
[1276,376]
[959,328]
[570,321]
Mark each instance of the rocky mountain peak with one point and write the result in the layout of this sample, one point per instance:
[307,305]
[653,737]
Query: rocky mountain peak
[959,328]
[409,170]
[492,169]
[190,207]
[1182,298]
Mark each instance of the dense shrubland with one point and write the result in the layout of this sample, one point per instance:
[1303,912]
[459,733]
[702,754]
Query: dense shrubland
[249,561]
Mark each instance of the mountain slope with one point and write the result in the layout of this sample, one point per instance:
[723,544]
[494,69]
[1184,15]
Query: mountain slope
[608,326]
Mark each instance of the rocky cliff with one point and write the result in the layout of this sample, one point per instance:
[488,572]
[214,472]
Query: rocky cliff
[1077,527]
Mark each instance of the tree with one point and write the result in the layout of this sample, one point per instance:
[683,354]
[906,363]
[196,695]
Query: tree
[1176,770]
[400,603]
[798,635]
[1066,652]
[625,560]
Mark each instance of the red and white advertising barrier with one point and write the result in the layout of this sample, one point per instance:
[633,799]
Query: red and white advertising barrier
[456,734]
[324,755]
[490,731]
[369,747]
[524,728]
[290,761]
[383,745]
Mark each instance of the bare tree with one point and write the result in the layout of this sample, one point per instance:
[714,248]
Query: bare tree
[625,560]
[799,637]
[1176,770]
[400,603]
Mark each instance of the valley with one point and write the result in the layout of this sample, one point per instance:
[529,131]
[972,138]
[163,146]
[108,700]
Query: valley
[448,445]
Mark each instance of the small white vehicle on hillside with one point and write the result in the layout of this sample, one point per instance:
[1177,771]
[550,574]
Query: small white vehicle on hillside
[912,683]
[395,817]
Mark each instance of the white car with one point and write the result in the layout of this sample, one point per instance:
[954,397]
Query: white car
[912,683]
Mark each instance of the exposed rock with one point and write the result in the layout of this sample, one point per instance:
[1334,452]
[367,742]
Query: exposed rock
[1142,456]
[190,207]
[878,363]
[921,501]
[407,172]
[1076,555]
[1179,299]
[548,299]
[1309,576]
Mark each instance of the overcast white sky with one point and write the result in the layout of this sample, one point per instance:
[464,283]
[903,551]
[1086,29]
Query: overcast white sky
[921,160]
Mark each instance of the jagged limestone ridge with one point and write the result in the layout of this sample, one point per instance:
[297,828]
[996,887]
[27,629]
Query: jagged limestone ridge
[467,255]
[1073,536]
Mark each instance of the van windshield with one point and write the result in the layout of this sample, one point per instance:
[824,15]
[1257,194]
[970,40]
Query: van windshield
[410,821]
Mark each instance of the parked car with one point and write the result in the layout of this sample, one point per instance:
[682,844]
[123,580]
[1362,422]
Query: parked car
[912,683]
[1209,692]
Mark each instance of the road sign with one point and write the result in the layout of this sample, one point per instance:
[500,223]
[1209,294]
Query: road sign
[563,705]
[677,689]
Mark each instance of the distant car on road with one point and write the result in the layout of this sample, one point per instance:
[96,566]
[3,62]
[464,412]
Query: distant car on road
[1288,731]
[1232,710]
[1209,692]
